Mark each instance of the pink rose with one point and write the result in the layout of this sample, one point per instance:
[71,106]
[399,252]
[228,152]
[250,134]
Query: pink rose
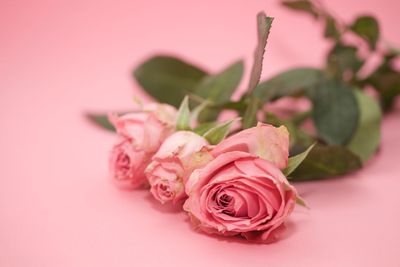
[173,163]
[127,164]
[141,133]
[148,127]
[264,140]
[240,194]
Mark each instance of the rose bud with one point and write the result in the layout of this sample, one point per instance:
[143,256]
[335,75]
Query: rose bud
[264,140]
[177,157]
[127,164]
[240,194]
[142,133]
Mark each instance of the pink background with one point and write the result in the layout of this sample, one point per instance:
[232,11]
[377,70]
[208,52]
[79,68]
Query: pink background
[61,58]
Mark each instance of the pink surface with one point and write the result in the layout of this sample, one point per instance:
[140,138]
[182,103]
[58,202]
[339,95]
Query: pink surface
[60,58]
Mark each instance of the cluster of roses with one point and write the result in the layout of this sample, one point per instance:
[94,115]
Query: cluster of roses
[234,187]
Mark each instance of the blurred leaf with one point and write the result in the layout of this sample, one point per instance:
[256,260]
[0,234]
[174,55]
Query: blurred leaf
[197,110]
[331,30]
[366,138]
[300,117]
[250,115]
[302,5]
[326,161]
[386,81]
[218,88]
[232,105]
[203,128]
[264,24]
[183,118]
[168,79]
[390,90]
[335,112]
[342,58]
[101,120]
[290,82]
[295,161]
[367,27]
[219,132]
[392,53]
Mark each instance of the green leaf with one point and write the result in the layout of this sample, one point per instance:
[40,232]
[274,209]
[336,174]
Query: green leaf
[331,30]
[168,79]
[250,115]
[218,88]
[197,110]
[335,112]
[386,81]
[219,132]
[101,120]
[367,27]
[290,82]
[366,138]
[389,88]
[203,128]
[264,24]
[239,106]
[302,5]
[183,118]
[343,58]
[326,161]
[392,53]
[295,161]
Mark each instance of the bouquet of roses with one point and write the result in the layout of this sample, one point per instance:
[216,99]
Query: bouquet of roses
[233,185]
[232,177]
[230,183]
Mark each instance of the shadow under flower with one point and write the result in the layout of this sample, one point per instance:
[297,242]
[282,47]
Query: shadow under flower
[289,229]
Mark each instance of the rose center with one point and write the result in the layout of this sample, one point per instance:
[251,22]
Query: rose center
[165,190]
[225,203]
[123,164]
[224,200]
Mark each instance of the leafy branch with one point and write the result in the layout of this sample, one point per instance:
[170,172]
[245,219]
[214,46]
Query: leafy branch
[343,121]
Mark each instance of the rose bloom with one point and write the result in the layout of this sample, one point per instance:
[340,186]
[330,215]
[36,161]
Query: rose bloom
[240,194]
[173,163]
[148,127]
[140,133]
[127,164]
[264,140]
